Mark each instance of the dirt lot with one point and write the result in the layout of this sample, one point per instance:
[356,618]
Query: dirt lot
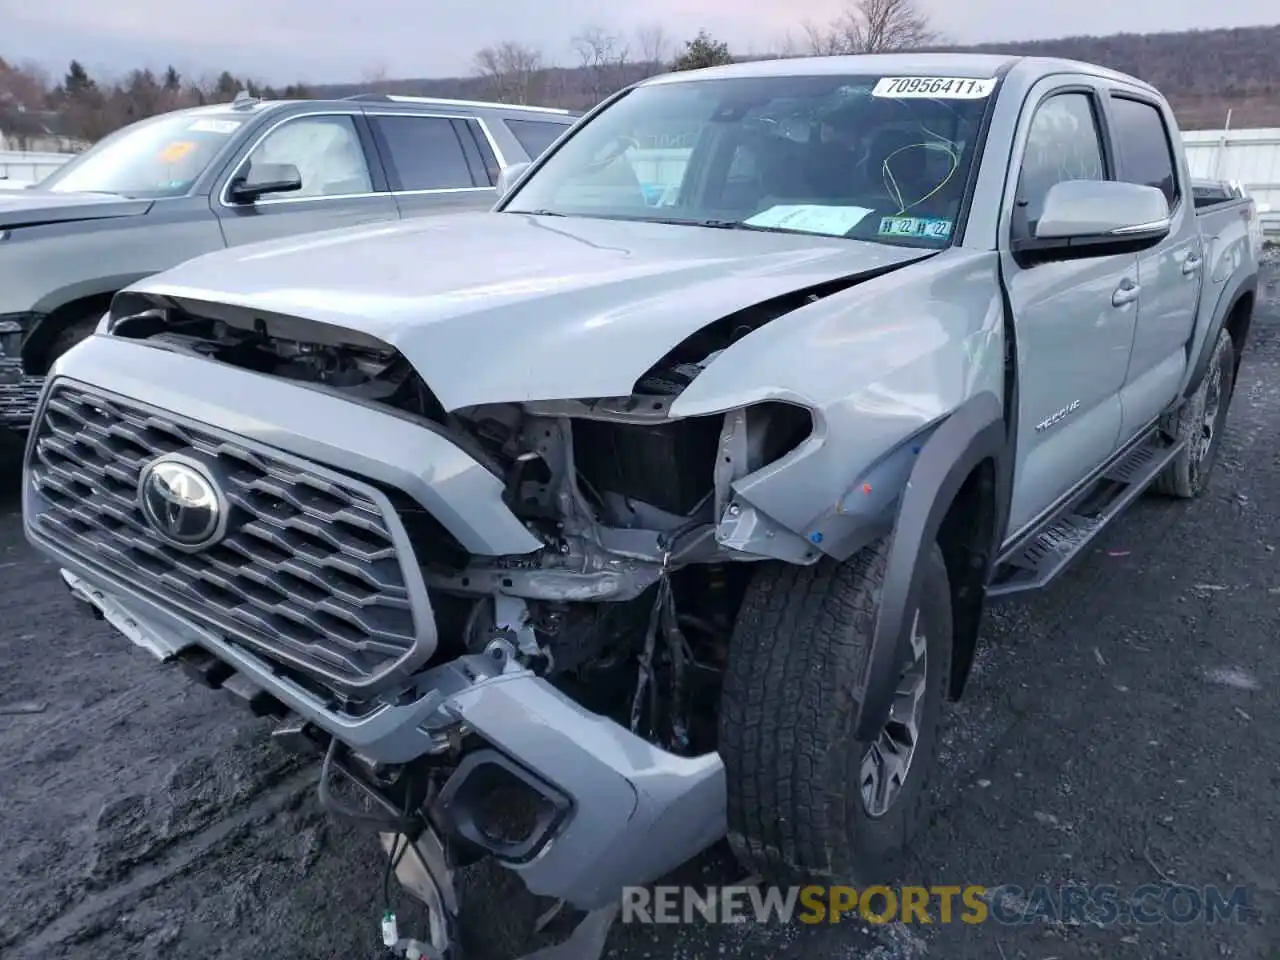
[1121,728]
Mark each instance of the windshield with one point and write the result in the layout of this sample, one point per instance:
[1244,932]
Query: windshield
[160,157]
[876,158]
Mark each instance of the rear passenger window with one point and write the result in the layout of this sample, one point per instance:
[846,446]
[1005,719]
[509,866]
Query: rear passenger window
[423,153]
[535,135]
[1142,146]
[1062,144]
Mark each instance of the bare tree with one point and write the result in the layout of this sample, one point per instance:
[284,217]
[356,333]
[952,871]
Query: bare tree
[22,85]
[830,40]
[872,26]
[374,76]
[511,71]
[789,47]
[655,47]
[604,57]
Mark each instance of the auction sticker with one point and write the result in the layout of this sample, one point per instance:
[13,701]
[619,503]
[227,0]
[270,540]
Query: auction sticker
[930,227]
[210,125]
[934,88]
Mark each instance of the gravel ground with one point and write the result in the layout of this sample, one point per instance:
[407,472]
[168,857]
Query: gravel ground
[1121,728]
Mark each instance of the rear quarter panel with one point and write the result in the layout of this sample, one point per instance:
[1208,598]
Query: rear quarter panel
[1231,271]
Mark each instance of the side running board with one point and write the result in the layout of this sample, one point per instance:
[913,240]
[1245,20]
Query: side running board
[1037,558]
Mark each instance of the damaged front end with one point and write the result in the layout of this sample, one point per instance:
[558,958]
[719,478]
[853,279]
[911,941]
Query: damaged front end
[505,623]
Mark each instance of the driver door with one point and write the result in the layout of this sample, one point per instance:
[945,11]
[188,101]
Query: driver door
[1074,319]
[340,186]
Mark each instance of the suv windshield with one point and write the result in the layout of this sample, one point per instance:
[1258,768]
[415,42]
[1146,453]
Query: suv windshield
[159,157]
[876,158]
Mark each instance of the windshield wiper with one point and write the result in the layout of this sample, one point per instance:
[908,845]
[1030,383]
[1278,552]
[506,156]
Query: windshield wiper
[540,213]
[755,227]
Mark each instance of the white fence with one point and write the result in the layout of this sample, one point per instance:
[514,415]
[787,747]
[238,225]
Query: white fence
[19,168]
[1250,156]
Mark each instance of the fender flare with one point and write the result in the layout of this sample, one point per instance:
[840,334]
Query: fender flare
[1200,364]
[974,432]
[51,312]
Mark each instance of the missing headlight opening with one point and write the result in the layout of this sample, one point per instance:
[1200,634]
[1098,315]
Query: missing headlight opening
[629,603]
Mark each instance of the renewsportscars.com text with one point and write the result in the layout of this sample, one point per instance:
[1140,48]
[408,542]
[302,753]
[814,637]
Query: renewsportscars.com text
[972,903]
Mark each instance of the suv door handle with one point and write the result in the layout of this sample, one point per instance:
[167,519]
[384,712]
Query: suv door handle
[1191,265]
[1125,294]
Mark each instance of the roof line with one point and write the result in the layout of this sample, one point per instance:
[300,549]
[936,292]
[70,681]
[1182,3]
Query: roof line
[442,101]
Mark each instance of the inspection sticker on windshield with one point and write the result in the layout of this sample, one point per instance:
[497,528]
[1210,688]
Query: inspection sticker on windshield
[934,88]
[933,229]
[810,218]
[176,151]
[214,126]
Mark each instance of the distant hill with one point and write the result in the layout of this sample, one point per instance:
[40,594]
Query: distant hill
[1203,72]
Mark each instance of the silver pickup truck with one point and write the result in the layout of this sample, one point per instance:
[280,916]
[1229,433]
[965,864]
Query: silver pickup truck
[665,499]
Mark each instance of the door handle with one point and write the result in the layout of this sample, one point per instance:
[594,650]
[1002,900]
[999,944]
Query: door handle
[1125,294]
[1191,265]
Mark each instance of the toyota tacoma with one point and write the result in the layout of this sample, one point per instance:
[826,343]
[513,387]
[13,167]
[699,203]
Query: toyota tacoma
[662,501]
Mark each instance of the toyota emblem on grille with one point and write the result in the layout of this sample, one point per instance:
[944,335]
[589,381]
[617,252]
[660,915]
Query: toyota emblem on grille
[181,502]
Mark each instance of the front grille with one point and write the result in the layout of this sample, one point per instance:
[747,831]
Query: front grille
[308,573]
[19,394]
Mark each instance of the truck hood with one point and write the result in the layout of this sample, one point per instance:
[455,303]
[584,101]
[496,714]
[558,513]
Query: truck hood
[497,307]
[30,208]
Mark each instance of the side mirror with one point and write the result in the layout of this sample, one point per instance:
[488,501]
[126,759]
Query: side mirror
[1098,217]
[264,178]
[509,175]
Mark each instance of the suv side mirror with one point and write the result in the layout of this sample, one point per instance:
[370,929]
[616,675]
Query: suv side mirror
[264,178]
[1082,218]
[508,176]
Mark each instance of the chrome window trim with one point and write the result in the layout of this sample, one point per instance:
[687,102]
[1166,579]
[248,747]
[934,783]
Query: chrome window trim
[223,196]
[484,128]
[509,107]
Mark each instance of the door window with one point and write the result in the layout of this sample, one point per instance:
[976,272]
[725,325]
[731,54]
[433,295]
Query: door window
[535,135]
[1062,144]
[1142,146]
[326,151]
[424,153]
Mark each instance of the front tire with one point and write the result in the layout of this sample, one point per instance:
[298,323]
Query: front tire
[1199,424]
[804,801]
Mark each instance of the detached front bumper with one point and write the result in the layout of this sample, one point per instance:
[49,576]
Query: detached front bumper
[632,812]
[626,811]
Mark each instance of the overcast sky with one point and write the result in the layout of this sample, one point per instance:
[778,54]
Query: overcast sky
[317,40]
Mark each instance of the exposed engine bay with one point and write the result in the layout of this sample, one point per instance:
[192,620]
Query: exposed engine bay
[629,603]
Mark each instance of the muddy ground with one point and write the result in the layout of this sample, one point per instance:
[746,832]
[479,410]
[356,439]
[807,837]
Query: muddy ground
[1121,728]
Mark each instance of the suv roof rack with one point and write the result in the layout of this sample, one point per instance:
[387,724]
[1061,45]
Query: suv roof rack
[446,102]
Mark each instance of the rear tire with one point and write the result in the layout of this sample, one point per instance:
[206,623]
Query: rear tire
[1199,424]
[795,775]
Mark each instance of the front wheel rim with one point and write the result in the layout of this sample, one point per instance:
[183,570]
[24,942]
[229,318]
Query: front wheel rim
[887,761]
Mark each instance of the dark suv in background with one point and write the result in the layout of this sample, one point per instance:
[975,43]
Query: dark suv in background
[181,184]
